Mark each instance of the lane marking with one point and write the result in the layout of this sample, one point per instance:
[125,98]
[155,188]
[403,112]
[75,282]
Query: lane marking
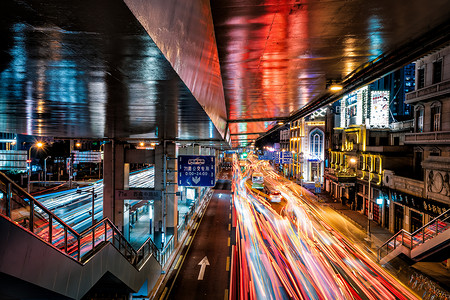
[187,251]
[178,262]
[229,216]
[195,225]
[203,263]
[228,242]
[164,293]
[229,227]
[228,264]
[226,295]
[189,240]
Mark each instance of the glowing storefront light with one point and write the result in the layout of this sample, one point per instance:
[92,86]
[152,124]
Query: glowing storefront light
[354,107]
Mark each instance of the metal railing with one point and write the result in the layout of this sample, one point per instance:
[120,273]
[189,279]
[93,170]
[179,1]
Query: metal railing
[22,209]
[165,253]
[412,240]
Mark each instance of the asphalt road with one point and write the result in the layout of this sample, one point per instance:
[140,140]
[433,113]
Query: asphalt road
[211,240]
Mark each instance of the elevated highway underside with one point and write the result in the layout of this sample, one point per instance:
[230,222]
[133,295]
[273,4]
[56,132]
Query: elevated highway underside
[209,71]
[214,73]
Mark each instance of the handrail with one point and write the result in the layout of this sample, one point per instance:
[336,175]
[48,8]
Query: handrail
[432,221]
[149,247]
[21,208]
[418,237]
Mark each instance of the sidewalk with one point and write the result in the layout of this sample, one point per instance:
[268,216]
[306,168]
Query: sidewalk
[378,234]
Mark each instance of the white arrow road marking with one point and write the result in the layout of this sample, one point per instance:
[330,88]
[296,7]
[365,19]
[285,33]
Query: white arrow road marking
[203,263]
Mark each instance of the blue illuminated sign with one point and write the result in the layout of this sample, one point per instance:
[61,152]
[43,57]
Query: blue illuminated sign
[196,170]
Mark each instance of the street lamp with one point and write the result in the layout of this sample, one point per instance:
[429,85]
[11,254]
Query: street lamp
[45,170]
[369,213]
[38,145]
[300,162]
[94,195]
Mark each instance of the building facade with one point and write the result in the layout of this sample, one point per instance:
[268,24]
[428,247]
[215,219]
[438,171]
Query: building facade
[397,173]
[307,144]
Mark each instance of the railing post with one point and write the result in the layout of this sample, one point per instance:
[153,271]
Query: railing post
[93,237]
[31,226]
[50,229]
[423,235]
[436,227]
[79,248]
[65,239]
[106,231]
[8,200]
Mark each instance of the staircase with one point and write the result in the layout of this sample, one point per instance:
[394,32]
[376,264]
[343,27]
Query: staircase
[428,243]
[39,248]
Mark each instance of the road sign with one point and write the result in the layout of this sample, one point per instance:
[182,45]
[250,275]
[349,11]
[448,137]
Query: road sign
[286,160]
[196,170]
[286,154]
[140,194]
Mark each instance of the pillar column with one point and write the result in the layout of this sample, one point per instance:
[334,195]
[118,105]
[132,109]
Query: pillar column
[115,177]
[165,212]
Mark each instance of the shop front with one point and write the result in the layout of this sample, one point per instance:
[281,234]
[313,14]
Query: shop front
[420,211]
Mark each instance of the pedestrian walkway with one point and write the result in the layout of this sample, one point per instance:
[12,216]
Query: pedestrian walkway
[378,234]
[140,232]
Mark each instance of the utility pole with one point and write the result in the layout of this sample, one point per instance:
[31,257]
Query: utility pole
[369,215]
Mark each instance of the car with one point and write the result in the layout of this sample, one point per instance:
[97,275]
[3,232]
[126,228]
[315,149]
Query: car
[275,196]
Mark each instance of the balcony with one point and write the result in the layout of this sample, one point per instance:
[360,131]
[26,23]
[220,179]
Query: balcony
[437,137]
[402,126]
[428,92]
[345,175]
[376,178]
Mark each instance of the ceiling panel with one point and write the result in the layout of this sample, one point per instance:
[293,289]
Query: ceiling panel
[277,55]
[89,69]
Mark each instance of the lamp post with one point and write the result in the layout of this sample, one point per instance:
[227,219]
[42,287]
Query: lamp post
[369,213]
[45,170]
[369,216]
[37,145]
[301,173]
[94,195]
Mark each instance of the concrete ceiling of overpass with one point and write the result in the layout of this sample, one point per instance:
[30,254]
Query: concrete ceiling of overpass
[146,69]
[88,69]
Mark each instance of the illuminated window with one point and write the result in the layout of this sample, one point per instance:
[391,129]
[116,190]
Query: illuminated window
[316,144]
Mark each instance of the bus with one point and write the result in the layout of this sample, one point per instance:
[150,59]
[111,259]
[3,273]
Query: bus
[257,181]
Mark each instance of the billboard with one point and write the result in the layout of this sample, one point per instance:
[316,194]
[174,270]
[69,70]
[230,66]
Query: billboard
[13,160]
[354,107]
[87,157]
[379,109]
